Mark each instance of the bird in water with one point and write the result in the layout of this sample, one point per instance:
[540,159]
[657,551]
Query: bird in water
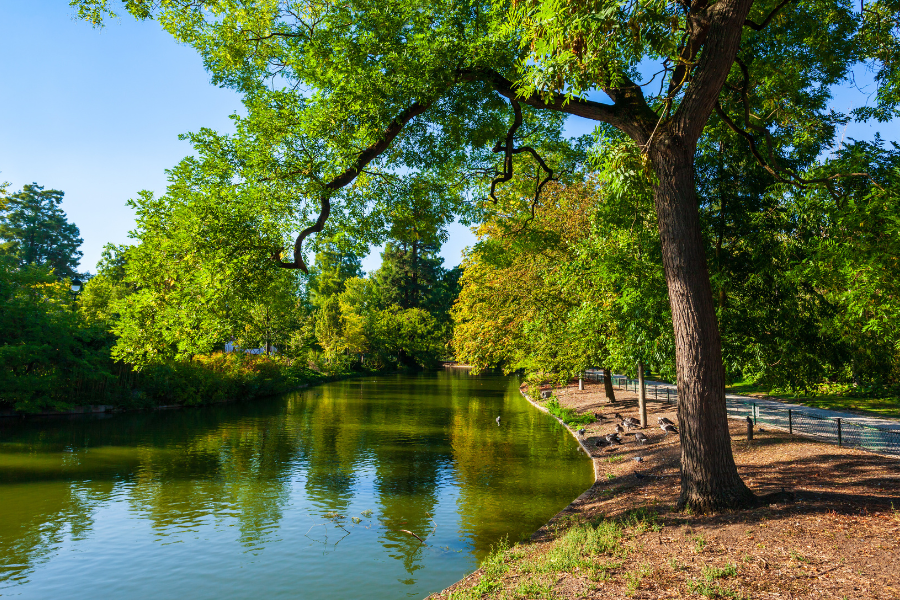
[664,421]
[640,437]
[498,420]
[668,428]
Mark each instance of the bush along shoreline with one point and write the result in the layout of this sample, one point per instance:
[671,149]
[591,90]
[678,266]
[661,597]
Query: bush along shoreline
[203,380]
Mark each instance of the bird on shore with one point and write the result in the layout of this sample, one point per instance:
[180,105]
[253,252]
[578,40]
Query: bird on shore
[668,428]
[664,421]
[599,417]
[619,428]
[631,421]
[602,443]
[640,437]
[581,432]
[638,459]
[619,417]
[613,438]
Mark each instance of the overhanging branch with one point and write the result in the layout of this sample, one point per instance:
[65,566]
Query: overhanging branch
[347,177]
[768,19]
[776,170]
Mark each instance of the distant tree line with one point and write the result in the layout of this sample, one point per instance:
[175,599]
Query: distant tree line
[150,326]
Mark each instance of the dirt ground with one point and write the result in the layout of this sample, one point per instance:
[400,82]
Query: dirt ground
[839,539]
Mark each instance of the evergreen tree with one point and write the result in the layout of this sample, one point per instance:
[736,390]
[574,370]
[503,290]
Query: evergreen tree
[34,231]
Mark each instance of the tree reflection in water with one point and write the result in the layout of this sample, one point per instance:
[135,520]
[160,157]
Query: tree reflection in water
[383,479]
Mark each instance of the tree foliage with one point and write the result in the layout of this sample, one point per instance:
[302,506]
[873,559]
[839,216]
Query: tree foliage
[34,231]
[409,100]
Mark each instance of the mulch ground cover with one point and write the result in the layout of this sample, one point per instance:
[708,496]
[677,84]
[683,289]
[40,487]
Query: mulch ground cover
[839,539]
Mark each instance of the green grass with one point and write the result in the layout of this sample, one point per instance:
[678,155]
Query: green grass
[827,397]
[709,588]
[594,549]
[569,416]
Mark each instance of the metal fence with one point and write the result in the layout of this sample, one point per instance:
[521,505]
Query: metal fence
[796,421]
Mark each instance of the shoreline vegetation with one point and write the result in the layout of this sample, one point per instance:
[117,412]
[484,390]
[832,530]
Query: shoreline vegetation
[205,380]
[623,538]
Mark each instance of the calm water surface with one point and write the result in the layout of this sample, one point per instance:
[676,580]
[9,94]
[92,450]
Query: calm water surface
[239,501]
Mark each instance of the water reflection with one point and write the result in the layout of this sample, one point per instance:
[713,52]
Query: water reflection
[335,485]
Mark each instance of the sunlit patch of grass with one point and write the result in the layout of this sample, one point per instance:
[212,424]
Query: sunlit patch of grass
[713,573]
[709,586]
[633,579]
[712,590]
[641,519]
[494,566]
[568,416]
[578,550]
[533,588]
[676,565]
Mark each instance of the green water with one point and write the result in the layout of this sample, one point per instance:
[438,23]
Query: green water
[238,501]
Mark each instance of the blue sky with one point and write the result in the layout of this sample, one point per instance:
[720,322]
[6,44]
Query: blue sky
[97,113]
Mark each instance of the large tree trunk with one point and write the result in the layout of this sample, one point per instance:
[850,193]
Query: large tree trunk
[709,478]
[608,386]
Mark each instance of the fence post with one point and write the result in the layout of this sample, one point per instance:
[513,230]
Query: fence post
[790,422]
[840,441]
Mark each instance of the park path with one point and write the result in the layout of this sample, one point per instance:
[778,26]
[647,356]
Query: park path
[821,413]
[832,426]
[838,427]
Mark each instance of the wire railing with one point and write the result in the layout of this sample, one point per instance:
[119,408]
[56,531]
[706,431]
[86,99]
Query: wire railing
[834,430]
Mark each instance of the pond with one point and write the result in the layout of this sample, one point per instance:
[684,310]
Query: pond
[318,494]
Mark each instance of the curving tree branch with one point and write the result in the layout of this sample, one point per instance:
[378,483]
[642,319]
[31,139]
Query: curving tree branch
[347,177]
[768,19]
[508,170]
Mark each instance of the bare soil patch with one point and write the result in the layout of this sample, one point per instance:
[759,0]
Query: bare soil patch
[839,539]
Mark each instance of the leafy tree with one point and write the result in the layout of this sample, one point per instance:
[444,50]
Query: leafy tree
[196,277]
[46,349]
[409,274]
[34,230]
[337,260]
[452,77]
[102,292]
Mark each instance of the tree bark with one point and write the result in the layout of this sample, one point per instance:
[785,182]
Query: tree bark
[608,386]
[642,394]
[709,478]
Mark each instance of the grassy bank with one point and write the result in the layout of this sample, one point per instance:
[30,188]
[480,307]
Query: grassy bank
[624,539]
